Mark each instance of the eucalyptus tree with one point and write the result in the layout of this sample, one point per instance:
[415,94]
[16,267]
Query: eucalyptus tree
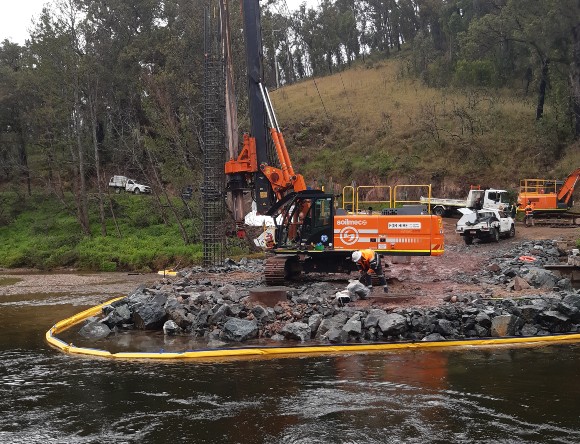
[544,33]
[13,123]
[56,121]
[328,37]
[349,35]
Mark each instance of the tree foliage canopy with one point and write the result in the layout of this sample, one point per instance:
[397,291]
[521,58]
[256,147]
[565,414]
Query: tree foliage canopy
[114,87]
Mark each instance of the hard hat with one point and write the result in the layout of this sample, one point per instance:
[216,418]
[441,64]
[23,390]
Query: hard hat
[356,256]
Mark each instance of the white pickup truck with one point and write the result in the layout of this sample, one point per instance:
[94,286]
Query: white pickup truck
[120,183]
[487,224]
[490,198]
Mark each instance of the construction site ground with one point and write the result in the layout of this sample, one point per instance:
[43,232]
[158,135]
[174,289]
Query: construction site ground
[425,281]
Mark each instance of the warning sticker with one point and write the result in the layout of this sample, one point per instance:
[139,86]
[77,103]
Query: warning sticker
[404,225]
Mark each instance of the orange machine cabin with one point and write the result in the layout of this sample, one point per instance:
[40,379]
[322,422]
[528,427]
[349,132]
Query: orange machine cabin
[548,195]
[390,235]
[542,193]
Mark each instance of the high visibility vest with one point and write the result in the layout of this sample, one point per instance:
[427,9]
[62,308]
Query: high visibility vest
[366,258]
[529,210]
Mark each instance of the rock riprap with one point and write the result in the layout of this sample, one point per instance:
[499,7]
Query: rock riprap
[224,313]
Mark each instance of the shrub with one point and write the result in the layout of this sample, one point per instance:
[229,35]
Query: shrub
[475,73]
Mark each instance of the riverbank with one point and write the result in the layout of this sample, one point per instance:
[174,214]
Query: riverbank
[100,285]
[479,291]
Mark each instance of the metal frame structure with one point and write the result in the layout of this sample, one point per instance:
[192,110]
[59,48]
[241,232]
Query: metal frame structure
[213,188]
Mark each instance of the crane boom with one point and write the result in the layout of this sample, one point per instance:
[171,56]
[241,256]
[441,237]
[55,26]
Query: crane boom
[263,192]
[567,189]
[311,233]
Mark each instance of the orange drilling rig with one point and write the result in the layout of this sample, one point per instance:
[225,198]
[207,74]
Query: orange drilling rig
[311,233]
[551,199]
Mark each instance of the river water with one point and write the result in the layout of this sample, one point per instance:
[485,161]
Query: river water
[508,395]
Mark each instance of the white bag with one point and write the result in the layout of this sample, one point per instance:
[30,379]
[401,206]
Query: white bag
[359,289]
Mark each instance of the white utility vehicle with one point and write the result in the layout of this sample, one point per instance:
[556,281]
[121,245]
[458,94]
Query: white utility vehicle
[486,224]
[130,185]
[478,199]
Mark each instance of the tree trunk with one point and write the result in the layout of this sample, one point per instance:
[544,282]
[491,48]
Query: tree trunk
[542,89]
[22,155]
[575,79]
[81,195]
[93,111]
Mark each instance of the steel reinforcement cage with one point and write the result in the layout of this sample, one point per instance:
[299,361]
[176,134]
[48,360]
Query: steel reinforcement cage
[213,188]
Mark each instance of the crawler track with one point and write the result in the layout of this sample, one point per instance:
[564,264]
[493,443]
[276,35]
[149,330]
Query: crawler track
[564,220]
[275,270]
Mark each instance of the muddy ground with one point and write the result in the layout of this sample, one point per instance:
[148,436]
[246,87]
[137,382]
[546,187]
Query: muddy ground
[425,281]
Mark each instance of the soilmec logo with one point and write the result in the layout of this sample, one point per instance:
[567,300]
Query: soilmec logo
[351,222]
[349,235]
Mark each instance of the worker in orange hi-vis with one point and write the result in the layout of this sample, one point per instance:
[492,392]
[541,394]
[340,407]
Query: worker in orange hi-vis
[529,217]
[369,262]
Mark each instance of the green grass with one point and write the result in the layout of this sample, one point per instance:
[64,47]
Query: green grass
[42,233]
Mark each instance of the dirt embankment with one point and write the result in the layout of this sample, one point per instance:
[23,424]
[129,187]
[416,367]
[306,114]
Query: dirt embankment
[425,281]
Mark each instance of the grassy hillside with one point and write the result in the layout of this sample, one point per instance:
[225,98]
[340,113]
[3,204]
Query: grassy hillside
[371,124]
[375,125]
[41,232]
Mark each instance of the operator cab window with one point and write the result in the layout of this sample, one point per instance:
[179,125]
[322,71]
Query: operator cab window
[322,212]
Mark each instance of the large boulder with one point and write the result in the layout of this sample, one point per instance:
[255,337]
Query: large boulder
[422,323]
[336,335]
[261,314]
[570,311]
[220,314]
[529,330]
[555,321]
[182,318]
[201,319]
[353,326]
[94,330]
[540,277]
[572,300]
[503,325]
[329,323]
[482,319]
[392,324]
[239,330]
[372,319]
[530,312]
[314,322]
[229,292]
[150,314]
[445,327]
[296,330]
[520,284]
[119,316]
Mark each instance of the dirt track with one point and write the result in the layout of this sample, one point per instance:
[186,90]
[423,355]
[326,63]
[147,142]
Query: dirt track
[429,279]
[425,281]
